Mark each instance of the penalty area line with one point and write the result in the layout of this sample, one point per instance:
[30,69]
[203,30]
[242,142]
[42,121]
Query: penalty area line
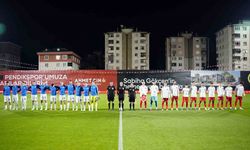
[120,140]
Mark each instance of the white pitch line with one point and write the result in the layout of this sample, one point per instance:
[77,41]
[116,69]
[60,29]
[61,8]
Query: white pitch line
[120,141]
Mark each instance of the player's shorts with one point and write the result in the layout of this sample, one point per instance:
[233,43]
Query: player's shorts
[111,98]
[239,98]
[185,99]
[34,97]
[43,97]
[52,98]
[71,98]
[78,99]
[93,99]
[23,98]
[175,98]
[121,98]
[193,98]
[131,99]
[15,98]
[153,98]
[202,98]
[85,98]
[228,98]
[6,99]
[220,98]
[62,97]
[165,99]
[211,98]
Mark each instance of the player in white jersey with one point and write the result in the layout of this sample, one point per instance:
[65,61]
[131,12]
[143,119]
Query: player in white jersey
[175,95]
[211,95]
[154,95]
[143,90]
[240,92]
[193,95]
[165,95]
[229,94]
[221,93]
[185,96]
[202,92]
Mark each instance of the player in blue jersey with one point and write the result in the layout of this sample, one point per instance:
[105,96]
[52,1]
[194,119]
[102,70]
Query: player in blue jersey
[15,89]
[43,95]
[62,96]
[71,96]
[86,90]
[78,95]
[24,89]
[6,95]
[53,89]
[33,88]
[94,96]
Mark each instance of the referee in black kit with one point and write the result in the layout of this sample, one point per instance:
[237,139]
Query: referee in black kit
[111,95]
[121,92]
[131,96]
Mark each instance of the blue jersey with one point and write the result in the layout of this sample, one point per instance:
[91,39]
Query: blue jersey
[86,90]
[33,89]
[6,90]
[43,89]
[71,89]
[24,90]
[94,90]
[78,91]
[62,89]
[53,90]
[15,89]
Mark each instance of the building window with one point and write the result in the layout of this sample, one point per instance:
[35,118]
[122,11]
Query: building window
[136,41]
[117,54]
[111,34]
[173,39]
[111,42]
[142,48]
[111,58]
[244,43]
[197,52]
[143,54]
[57,64]
[236,43]
[244,28]
[136,48]
[180,64]
[117,42]
[111,48]
[142,41]
[117,68]
[70,64]
[64,65]
[179,46]
[244,35]
[197,46]
[117,61]
[180,58]
[237,28]
[46,57]
[64,57]
[117,35]
[197,65]
[58,57]
[117,48]
[46,65]
[136,61]
[136,54]
[143,60]
[173,64]
[143,34]
[244,58]
[173,46]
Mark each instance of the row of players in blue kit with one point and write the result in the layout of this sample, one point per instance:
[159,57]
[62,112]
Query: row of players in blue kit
[90,93]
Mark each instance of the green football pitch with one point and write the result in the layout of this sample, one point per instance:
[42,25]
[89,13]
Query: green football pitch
[141,129]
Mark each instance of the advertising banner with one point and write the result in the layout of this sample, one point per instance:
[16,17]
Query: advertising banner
[100,77]
[245,78]
[136,77]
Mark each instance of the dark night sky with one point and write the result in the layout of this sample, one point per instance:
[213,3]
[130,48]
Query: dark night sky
[78,26]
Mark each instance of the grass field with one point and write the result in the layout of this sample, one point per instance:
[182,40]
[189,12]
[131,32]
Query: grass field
[142,130]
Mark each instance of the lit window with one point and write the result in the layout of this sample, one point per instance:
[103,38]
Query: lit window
[197,46]
[58,57]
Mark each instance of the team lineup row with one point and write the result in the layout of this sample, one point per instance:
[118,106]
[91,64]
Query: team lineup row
[88,95]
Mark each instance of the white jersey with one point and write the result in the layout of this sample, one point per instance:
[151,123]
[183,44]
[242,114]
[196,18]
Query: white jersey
[165,92]
[193,91]
[185,92]
[175,90]
[211,91]
[220,91]
[229,91]
[240,91]
[202,91]
[143,89]
[154,90]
